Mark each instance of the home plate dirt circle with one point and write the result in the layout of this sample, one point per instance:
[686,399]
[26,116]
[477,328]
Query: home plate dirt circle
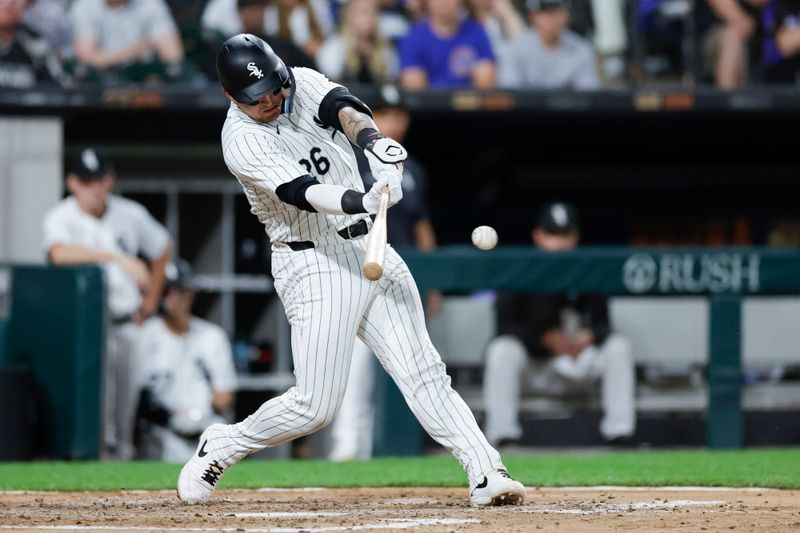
[406,509]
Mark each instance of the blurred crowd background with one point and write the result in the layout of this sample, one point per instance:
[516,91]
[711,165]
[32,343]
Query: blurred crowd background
[520,44]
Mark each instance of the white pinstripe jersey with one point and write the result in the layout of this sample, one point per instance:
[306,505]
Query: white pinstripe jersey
[264,156]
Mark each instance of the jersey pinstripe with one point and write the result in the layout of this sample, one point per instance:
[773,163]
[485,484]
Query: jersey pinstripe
[264,156]
[328,301]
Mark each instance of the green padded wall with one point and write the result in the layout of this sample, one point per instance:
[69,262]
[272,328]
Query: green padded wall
[56,329]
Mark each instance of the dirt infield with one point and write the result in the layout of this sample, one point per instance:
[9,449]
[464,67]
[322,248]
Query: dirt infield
[407,509]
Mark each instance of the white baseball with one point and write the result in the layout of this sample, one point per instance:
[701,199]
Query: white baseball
[484,237]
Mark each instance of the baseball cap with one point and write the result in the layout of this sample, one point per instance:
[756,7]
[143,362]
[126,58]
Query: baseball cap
[544,5]
[179,273]
[90,164]
[558,217]
[388,96]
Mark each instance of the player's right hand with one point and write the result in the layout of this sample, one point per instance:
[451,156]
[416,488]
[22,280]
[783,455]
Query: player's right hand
[392,179]
[136,269]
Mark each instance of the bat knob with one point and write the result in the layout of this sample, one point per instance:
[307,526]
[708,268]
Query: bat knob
[373,271]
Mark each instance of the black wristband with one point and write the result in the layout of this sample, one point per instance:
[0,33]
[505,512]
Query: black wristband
[366,136]
[353,202]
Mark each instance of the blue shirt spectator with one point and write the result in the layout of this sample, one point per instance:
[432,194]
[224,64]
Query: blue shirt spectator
[447,50]
[781,46]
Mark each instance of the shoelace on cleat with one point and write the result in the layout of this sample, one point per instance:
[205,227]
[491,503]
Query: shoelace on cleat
[504,473]
[212,473]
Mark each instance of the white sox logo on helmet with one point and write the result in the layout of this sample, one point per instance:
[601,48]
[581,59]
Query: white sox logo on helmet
[254,70]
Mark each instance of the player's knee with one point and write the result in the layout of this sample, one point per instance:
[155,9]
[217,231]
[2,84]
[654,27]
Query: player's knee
[320,418]
[618,348]
[316,412]
[430,373]
[506,351]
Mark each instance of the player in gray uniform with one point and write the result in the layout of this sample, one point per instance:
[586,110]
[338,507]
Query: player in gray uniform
[287,138]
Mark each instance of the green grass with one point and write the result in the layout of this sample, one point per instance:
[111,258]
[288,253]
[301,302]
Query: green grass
[763,468]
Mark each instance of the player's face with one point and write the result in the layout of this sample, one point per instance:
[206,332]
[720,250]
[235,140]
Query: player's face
[555,242]
[362,17]
[265,110]
[392,122]
[91,195]
[444,8]
[178,302]
[252,17]
[550,23]
[11,12]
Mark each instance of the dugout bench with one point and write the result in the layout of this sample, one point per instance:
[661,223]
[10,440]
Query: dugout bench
[722,275]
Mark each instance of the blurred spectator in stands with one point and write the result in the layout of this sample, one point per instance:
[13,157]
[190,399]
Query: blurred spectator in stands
[548,55]
[358,53]
[94,226]
[133,40]
[394,18]
[556,344]
[727,44]
[447,49]
[184,371]
[662,50]
[503,25]
[781,50]
[408,225]
[784,232]
[250,17]
[305,23]
[610,38]
[26,59]
[49,19]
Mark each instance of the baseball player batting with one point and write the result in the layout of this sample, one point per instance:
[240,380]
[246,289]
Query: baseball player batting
[289,138]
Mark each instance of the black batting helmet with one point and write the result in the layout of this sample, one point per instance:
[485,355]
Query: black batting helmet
[249,69]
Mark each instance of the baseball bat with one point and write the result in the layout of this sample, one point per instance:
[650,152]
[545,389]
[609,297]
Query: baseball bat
[376,243]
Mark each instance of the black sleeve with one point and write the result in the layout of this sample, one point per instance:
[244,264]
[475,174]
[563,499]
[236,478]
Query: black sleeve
[335,101]
[781,11]
[594,311]
[294,192]
[543,311]
[507,317]
[150,410]
[417,196]
[526,316]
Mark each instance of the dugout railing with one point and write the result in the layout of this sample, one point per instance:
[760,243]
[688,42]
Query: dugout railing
[724,275]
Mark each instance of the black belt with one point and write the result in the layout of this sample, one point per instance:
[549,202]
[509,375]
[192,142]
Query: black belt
[350,232]
[119,320]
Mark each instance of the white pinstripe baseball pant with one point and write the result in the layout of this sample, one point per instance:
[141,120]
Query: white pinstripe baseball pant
[328,302]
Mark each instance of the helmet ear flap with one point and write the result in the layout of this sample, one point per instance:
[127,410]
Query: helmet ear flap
[287,91]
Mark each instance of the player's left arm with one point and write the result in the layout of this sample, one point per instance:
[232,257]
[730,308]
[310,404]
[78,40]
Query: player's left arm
[222,401]
[349,115]
[484,71]
[156,246]
[219,360]
[152,295]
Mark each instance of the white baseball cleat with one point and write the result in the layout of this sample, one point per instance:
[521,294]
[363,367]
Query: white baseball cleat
[200,474]
[497,488]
